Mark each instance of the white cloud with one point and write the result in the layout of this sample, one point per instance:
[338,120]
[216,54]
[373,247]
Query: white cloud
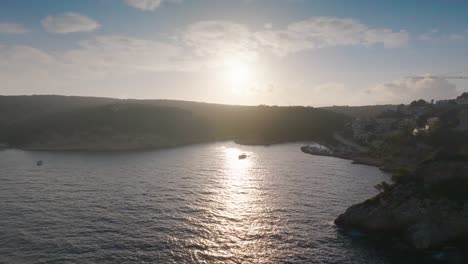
[11,28]
[118,59]
[434,35]
[387,37]
[24,70]
[406,90]
[99,57]
[147,5]
[108,61]
[456,37]
[128,54]
[393,92]
[314,33]
[321,32]
[102,62]
[429,35]
[68,23]
[215,40]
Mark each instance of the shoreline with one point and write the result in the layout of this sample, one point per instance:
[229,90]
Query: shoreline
[87,148]
[404,215]
[145,148]
[356,158]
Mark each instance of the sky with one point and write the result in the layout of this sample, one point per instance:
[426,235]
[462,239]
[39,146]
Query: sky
[249,52]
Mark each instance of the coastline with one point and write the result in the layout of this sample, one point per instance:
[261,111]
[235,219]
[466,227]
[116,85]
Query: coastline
[371,216]
[139,146]
[113,148]
[356,158]
[407,215]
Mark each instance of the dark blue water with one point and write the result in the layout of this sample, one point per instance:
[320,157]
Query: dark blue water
[195,204]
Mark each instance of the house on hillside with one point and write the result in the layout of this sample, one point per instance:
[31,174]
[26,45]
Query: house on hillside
[386,124]
[418,108]
[462,99]
[363,128]
[407,123]
[389,121]
[367,130]
[432,122]
[445,103]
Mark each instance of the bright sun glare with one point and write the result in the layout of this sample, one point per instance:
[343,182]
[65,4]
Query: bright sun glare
[237,168]
[238,73]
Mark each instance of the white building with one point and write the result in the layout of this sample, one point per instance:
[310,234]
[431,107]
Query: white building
[432,122]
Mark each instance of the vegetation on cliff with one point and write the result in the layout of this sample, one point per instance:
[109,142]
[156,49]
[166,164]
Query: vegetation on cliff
[361,111]
[426,204]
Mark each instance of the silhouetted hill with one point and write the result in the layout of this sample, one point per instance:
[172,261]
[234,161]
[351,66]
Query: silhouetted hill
[361,111]
[59,122]
[19,108]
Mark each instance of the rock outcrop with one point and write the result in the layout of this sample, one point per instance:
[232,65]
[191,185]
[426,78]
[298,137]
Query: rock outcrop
[426,212]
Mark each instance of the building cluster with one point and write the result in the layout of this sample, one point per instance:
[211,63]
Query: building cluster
[460,100]
[418,117]
[374,130]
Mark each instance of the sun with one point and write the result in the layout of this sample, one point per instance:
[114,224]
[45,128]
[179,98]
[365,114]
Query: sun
[238,73]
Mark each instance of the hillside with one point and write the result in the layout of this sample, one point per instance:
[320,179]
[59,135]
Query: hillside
[361,111]
[58,122]
[425,206]
[19,108]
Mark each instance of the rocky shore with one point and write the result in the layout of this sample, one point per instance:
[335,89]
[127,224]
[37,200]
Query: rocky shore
[419,220]
[427,210]
[356,157]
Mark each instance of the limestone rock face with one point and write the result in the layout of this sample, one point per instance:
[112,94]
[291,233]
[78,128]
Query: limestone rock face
[407,210]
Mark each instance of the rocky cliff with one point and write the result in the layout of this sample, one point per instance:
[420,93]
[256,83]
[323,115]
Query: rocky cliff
[426,210]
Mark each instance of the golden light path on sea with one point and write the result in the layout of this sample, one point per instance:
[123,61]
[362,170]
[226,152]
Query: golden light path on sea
[240,230]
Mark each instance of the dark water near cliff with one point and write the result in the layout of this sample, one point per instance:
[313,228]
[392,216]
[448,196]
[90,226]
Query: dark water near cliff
[191,204]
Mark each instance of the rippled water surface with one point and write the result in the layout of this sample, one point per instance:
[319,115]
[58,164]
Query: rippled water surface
[191,204]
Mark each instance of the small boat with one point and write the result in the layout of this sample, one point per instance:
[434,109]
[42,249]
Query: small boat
[242,156]
[39,163]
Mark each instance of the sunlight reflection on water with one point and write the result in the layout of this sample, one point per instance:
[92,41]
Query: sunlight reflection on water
[237,209]
[241,202]
[193,204]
